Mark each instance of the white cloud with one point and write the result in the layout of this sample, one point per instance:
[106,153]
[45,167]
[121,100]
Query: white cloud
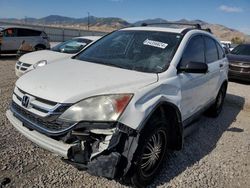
[230,9]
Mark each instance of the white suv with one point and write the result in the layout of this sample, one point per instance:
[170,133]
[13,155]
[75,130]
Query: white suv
[13,37]
[118,106]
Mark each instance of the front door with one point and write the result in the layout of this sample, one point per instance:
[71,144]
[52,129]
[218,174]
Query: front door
[194,89]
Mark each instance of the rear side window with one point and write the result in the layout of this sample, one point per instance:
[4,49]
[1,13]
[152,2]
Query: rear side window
[27,32]
[221,53]
[10,32]
[211,50]
[194,51]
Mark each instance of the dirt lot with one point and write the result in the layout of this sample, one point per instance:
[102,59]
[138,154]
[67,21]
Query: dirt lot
[217,154]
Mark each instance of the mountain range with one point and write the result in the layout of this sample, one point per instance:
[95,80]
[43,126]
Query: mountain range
[111,23]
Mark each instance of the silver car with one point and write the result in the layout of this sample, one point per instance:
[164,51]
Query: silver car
[13,37]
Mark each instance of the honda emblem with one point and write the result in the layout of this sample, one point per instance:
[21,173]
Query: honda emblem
[25,101]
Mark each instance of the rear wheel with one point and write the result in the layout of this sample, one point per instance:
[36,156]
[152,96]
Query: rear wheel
[216,108]
[152,149]
[40,47]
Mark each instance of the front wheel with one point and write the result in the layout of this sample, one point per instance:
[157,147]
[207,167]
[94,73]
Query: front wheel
[151,152]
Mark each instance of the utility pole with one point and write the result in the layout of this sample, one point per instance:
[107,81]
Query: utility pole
[88,20]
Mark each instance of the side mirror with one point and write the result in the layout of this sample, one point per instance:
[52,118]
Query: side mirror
[194,67]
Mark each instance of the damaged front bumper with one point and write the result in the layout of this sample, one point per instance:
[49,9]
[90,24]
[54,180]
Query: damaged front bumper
[101,150]
[41,140]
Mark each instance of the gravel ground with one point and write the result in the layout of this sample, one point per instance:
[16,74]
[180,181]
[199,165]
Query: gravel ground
[216,154]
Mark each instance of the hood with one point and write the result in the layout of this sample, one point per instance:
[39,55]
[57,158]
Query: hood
[243,58]
[34,57]
[72,80]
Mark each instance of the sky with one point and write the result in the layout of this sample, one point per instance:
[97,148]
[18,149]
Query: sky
[231,13]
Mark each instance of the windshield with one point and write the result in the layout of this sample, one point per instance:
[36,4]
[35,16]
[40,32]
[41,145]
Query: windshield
[145,51]
[242,49]
[71,46]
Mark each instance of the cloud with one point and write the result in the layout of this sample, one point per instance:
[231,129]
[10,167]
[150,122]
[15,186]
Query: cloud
[230,9]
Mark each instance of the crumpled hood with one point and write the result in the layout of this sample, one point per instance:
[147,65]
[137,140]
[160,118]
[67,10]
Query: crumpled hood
[50,56]
[72,80]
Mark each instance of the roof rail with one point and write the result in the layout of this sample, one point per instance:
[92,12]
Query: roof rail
[208,30]
[197,26]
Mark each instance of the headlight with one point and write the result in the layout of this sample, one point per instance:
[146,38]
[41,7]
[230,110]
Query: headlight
[40,64]
[98,108]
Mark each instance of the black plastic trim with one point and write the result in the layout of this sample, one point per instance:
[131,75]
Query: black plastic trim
[156,107]
[34,126]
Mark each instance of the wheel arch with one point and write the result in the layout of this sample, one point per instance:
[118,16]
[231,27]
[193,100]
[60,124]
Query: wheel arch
[40,45]
[225,83]
[170,113]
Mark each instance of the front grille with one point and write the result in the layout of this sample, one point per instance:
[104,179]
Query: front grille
[49,125]
[22,66]
[37,105]
[240,67]
[235,68]
[40,114]
[23,69]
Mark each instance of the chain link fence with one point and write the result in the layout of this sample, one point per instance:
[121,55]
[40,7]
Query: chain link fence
[57,34]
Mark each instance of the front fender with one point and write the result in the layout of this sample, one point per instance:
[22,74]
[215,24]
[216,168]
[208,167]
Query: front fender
[146,101]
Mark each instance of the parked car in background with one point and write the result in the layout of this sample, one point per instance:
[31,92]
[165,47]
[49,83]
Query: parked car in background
[25,47]
[1,38]
[239,62]
[63,50]
[227,45]
[233,46]
[117,107]
[13,37]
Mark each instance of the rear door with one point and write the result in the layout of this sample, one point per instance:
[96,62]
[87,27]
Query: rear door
[31,37]
[24,35]
[214,64]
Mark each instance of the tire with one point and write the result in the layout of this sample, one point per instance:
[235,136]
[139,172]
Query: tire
[39,47]
[151,151]
[216,108]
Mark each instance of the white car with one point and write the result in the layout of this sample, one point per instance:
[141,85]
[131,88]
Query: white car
[118,106]
[227,44]
[63,50]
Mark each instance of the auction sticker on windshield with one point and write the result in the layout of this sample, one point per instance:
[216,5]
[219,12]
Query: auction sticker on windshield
[155,43]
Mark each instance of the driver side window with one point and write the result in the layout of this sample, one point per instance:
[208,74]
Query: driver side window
[194,51]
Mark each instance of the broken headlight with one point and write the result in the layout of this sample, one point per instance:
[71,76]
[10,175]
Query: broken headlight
[98,108]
